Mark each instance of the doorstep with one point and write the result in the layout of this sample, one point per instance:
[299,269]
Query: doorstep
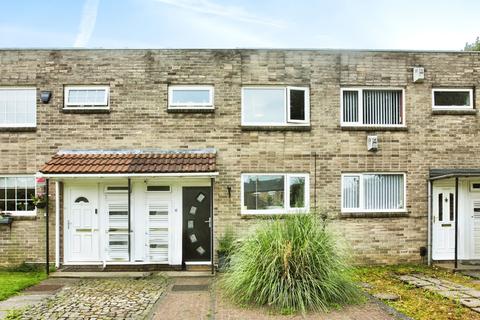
[104,274]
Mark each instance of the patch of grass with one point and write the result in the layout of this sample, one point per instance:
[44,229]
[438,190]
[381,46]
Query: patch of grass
[15,314]
[290,264]
[415,302]
[13,281]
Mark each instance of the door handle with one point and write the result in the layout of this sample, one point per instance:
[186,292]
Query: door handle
[209,221]
[68,224]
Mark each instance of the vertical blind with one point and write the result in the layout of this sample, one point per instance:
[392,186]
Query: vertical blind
[378,107]
[350,106]
[378,192]
[351,190]
[383,191]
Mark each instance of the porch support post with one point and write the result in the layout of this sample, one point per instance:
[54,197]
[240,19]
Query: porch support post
[129,221]
[456,223]
[57,224]
[429,232]
[212,255]
[47,233]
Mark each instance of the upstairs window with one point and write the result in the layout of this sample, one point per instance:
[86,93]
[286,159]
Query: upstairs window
[16,193]
[83,97]
[372,192]
[275,106]
[452,99]
[372,107]
[18,107]
[190,97]
[274,193]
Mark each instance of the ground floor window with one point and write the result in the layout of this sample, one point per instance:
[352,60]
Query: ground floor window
[364,192]
[16,194]
[274,193]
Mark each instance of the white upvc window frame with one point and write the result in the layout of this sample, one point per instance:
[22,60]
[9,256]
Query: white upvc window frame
[286,199]
[30,213]
[205,105]
[469,90]
[361,203]
[22,125]
[360,107]
[105,105]
[286,106]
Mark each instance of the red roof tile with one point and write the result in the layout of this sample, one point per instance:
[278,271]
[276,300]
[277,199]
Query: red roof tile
[162,162]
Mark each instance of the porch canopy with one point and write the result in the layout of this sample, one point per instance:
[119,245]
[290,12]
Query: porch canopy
[71,163]
[440,174]
[123,164]
[437,174]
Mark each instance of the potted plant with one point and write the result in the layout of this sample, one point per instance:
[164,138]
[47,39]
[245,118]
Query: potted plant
[226,246]
[39,201]
[5,218]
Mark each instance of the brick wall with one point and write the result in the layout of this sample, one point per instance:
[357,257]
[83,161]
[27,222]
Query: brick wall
[138,81]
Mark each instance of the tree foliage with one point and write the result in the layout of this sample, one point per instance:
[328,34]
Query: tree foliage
[474,46]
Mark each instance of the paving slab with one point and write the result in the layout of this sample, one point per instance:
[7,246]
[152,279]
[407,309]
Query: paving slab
[467,296]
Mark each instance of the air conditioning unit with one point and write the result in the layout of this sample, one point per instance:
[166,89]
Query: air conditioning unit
[418,74]
[372,143]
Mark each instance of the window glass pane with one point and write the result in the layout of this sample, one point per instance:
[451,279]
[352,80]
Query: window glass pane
[190,97]
[351,192]
[383,192]
[297,104]
[350,106]
[11,183]
[452,98]
[158,188]
[15,193]
[86,97]
[18,106]
[297,192]
[382,107]
[264,105]
[264,192]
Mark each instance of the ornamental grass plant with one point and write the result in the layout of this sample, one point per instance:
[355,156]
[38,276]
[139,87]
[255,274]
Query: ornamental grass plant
[293,263]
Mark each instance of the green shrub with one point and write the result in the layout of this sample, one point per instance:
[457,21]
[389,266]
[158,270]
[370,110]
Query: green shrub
[292,264]
[226,243]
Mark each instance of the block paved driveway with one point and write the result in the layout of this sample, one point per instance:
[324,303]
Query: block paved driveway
[189,300]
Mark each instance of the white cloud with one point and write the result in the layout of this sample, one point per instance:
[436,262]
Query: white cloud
[87,24]
[229,12]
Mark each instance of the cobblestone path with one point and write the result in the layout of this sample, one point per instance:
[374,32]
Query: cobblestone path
[101,299]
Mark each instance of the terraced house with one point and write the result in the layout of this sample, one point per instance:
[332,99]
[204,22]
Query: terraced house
[148,155]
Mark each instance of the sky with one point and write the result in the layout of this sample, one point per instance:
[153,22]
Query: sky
[341,24]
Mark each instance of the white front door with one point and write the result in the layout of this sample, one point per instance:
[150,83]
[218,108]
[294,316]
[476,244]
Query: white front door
[475,216]
[82,226]
[443,218]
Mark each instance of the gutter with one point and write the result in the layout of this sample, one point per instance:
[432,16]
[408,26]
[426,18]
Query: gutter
[125,175]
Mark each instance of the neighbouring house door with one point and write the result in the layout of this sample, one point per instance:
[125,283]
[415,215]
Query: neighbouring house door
[475,215]
[82,227]
[443,228]
[196,224]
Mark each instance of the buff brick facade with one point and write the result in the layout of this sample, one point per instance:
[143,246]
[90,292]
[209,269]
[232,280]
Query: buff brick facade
[139,119]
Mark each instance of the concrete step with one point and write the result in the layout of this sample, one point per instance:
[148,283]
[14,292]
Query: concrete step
[188,274]
[118,274]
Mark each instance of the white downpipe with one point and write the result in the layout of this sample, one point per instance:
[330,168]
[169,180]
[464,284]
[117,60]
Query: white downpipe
[57,224]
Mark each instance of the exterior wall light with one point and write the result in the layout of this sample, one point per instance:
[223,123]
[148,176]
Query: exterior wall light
[45,96]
